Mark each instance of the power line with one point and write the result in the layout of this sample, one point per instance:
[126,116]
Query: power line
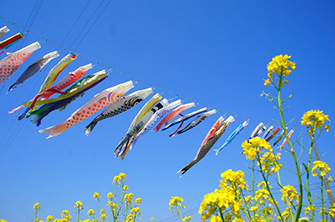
[81,31]
[92,25]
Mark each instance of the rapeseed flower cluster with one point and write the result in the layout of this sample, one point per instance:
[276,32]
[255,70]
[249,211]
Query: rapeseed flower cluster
[255,147]
[176,203]
[315,118]
[37,206]
[332,210]
[96,196]
[120,179]
[289,194]
[79,205]
[218,201]
[252,146]
[281,66]
[321,166]
[236,179]
[228,199]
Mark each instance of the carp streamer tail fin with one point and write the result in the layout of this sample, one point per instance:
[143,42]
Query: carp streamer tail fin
[90,127]
[187,168]
[54,130]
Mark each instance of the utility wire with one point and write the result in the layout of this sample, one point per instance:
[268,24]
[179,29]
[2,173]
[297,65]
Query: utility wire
[80,14]
[93,24]
[86,24]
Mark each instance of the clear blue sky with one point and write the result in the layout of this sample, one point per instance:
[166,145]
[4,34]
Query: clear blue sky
[214,52]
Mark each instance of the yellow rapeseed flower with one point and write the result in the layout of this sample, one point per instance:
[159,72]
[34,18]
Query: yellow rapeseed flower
[103,217]
[49,218]
[128,198]
[315,118]
[332,211]
[234,178]
[187,218]
[138,200]
[321,166]
[269,162]
[216,219]
[252,146]
[281,65]
[175,201]
[135,210]
[330,179]
[110,195]
[289,193]
[2,220]
[91,212]
[37,206]
[96,196]
[79,205]
[152,218]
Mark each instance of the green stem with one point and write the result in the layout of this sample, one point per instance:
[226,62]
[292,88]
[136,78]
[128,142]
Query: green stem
[253,182]
[322,201]
[298,212]
[268,187]
[309,196]
[247,214]
[221,215]
[78,214]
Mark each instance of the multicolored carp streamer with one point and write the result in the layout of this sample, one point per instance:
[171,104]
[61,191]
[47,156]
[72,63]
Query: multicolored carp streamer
[142,113]
[65,82]
[289,135]
[119,106]
[34,68]
[144,110]
[267,132]
[3,31]
[155,119]
[256,130]
[272,134]
[13,61]
[4,45]
[76,90]
[232,136]
[203,150]
[173,114]
[186,117]
[195,122]
[137,128]
[55,71]
[99,101]
[279,137]
[214,128]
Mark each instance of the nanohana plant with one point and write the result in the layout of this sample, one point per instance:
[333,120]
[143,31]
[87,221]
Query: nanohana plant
[121,206]
[236,201]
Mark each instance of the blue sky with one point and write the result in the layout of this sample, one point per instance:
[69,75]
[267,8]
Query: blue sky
[214,52]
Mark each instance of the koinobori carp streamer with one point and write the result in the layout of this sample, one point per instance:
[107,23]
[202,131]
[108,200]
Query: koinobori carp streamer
[120,106]
[203,150]
[76,90]
[13,61]
[34,68]
[99,101]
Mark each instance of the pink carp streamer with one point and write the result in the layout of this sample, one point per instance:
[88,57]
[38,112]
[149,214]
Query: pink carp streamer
[173,114]
[289,135]
[211,132]
[13,61]
[100,101]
